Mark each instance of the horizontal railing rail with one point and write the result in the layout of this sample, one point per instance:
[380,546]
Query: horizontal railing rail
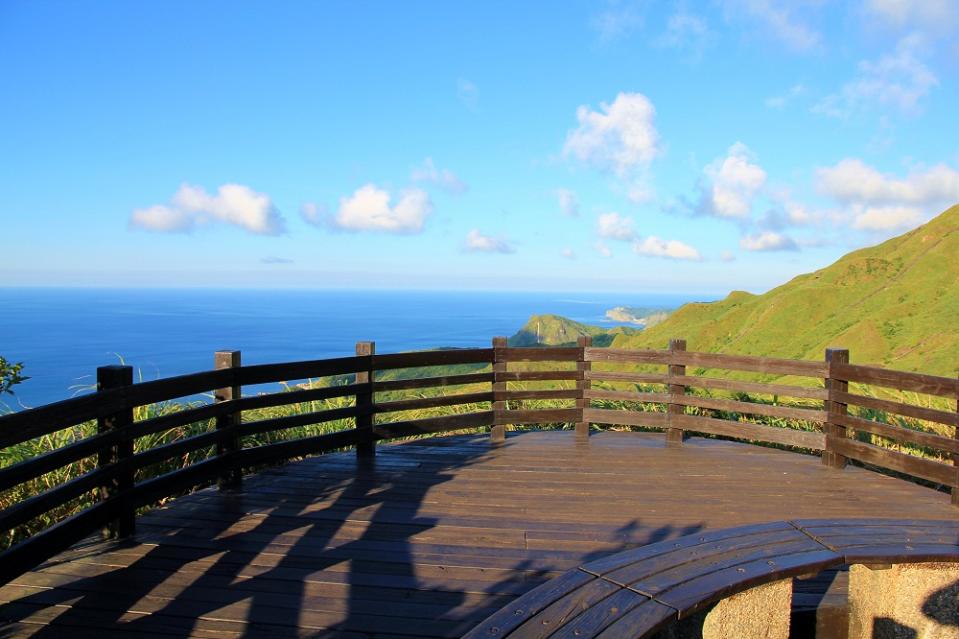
[130,445]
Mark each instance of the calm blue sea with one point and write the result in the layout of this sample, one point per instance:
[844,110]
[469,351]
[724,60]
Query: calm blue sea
[62,335]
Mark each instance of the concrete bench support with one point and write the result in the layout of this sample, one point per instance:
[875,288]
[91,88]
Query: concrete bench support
[914,601]
[757,613]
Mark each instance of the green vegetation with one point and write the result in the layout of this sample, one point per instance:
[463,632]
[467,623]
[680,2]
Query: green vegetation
[10,375]
[892,305]
[553,330]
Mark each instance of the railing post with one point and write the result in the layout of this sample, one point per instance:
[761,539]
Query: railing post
[955,460]
[674,435]
[228,424]
[109,378]
[582,385]
[833,430]
[498,432]
[365,400]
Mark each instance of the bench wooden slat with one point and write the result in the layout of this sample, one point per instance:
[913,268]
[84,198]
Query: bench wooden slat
[897,553]
[815,525]
[695,594]
[635,593]
[545,622]
[601,615]
[620,560]
[641,621]
[840,536]
[507,619]
[694,558]
[723,557]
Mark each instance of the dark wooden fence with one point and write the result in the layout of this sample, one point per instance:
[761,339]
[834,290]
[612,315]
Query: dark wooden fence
[671,406]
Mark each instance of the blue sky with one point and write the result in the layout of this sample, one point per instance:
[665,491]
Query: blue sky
[622,146]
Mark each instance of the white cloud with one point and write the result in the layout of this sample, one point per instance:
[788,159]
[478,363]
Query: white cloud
[568,202]
[476,242]
[568,253]
[468,93]
[192,207]
[273,259]
[368,209]
[603,250]
[731,184]
[780,101]
[768,241]
[670,249]
[443,178]
[619,137]
[727,256]
[936,16]
[778,20]
[686,31]
[789,212]
[853,181]
[898,80]
[618,20]
[614,226]
[799,214]
[639,192]
[163,219]
[886,218]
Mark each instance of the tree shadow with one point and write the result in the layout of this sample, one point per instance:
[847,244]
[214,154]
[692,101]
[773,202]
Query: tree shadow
[942,606]
[249,571]
[329,546]
[886,628]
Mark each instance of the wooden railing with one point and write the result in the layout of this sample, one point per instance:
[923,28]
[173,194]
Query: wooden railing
[503,387]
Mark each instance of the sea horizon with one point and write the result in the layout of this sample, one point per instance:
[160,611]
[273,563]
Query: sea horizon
[62,334]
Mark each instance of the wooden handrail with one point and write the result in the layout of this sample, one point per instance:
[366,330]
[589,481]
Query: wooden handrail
[672,406]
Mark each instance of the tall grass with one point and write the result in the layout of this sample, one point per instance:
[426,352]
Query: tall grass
[59,439]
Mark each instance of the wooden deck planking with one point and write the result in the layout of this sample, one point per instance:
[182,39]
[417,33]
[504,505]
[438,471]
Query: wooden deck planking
[426,539]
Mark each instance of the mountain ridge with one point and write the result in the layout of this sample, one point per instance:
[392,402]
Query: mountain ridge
[894,304]
[555,330]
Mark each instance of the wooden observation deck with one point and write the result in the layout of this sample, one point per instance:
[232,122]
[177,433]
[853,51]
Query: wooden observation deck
[427,537]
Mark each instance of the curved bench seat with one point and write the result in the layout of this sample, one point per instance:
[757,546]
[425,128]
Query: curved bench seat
[637,592]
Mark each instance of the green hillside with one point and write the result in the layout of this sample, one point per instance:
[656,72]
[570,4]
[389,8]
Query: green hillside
[895,305]
[554,330]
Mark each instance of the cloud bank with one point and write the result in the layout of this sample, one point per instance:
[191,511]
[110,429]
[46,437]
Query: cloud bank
[876,201]
[653,246]
[369,208]
[476,242]
[613,226]
[192,207]
[618,137]
[731,183]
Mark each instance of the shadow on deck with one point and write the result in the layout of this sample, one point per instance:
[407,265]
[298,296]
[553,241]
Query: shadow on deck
[427,539]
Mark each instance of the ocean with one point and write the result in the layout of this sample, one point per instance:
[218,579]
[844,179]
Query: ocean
[62,335]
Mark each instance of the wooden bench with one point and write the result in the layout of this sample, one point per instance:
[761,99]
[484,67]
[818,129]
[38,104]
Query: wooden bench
[640,591]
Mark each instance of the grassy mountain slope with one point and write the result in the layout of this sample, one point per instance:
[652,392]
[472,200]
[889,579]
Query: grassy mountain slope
[895,304]
[553,330]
